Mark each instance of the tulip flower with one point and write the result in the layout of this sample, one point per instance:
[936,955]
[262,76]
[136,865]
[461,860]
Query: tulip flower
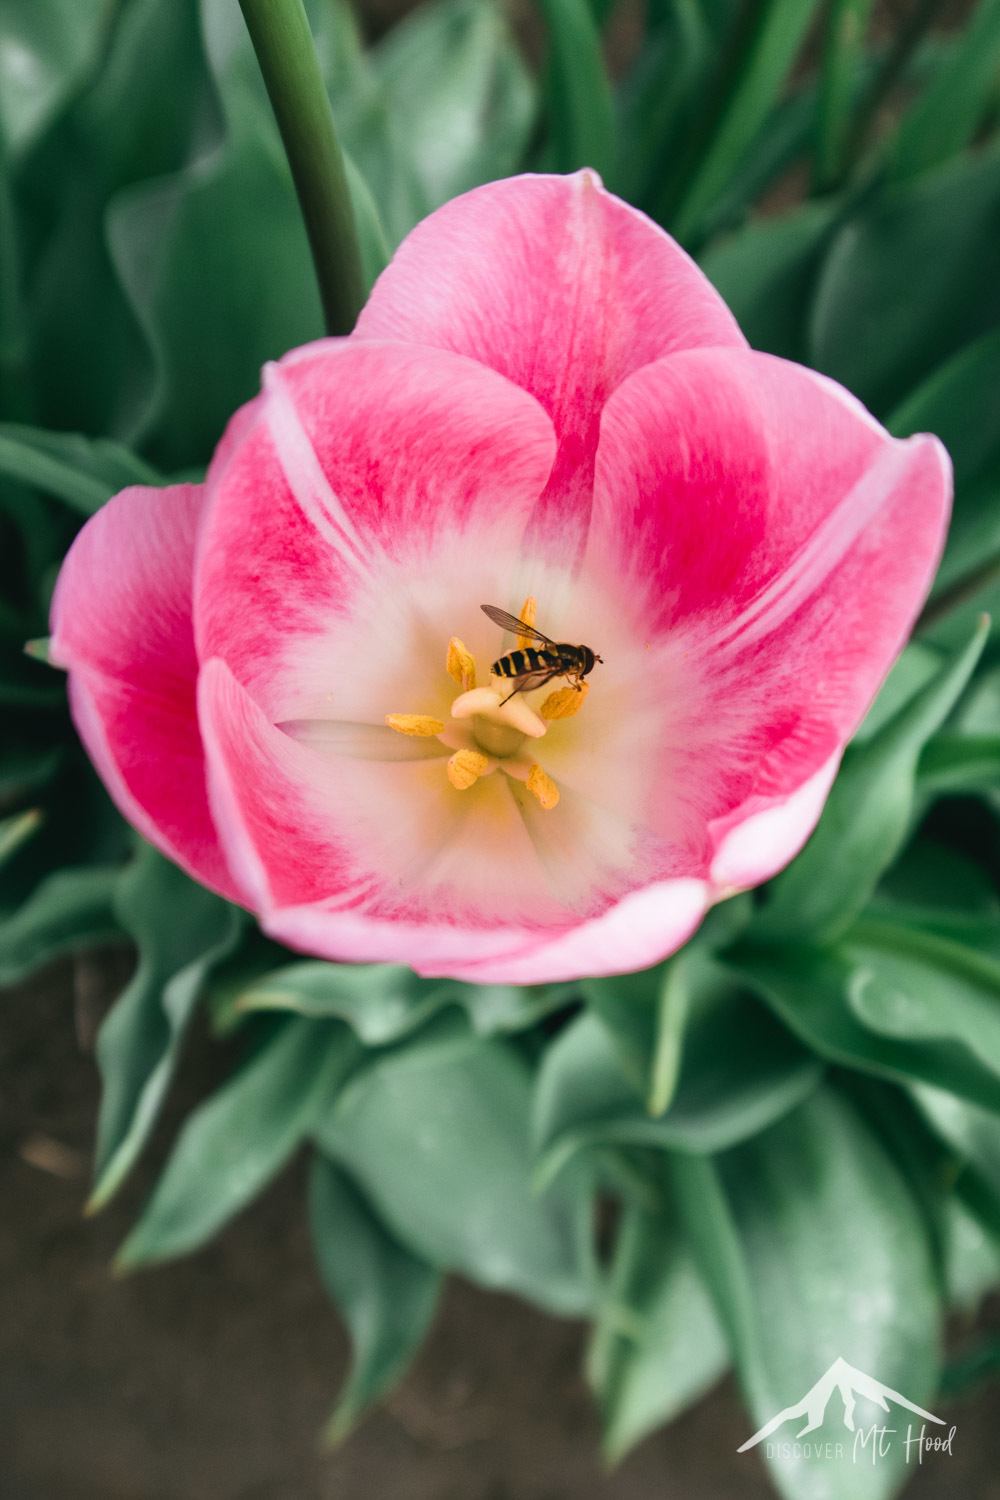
[284,675]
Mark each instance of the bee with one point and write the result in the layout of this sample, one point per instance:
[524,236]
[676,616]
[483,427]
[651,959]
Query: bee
[533,666]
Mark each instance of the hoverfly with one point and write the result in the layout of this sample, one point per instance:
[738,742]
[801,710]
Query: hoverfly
[533,666]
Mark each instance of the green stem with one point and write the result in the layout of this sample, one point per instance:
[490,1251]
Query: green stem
[285,51]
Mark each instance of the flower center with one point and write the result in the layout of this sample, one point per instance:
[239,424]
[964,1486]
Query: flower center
[492,727]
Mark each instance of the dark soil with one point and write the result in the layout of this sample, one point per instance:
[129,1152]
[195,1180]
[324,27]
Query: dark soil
[210,1379]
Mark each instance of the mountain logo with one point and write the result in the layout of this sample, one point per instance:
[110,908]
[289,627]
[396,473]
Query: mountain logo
[851,1383]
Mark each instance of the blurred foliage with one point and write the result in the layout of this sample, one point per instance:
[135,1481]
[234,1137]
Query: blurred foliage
[808,1097]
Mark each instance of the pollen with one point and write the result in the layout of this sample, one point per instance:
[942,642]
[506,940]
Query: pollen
[419,724]
[542,788]
[565,702]
[529,614]
[461,664]
[465,768]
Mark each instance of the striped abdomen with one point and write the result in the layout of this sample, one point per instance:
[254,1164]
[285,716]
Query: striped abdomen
[524,660]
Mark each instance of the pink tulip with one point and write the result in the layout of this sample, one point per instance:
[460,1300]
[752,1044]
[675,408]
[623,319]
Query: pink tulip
[283,675]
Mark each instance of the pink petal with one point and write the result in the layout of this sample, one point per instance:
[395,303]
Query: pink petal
[356,455]
[121,624]
[785,544]
[564,289]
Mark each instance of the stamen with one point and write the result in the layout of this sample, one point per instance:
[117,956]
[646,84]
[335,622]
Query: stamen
[565,702]
[542,788]
[465,768]
[421,724]
[529,612]
[461,664]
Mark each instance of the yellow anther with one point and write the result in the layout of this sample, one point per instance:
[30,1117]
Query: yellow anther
[529,610]
[461,664]
[564,702]
[421,724]
[466,767]
[542,788]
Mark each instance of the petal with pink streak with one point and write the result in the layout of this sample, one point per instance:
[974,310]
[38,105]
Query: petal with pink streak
[561,287]
[785,544]
[355,452]
[121,624]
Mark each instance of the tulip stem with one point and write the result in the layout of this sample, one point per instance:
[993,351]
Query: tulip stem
[279,30]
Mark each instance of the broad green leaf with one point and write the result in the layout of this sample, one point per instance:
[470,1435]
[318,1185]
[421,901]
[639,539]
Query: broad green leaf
[960,763]
[972,1258]
[934,237]
[232,1145]
[458,95]
[656,1346]
[912,670]
[583,1098]
[82,472]
[579,108]
[767,273]
[436,1138]
[918,985]
[935,886]
[90,366]
[180,930]
[945,117]
[810,991]
[760,58]
[47,48]
[383,1002]
[971,1132]
[866,817]
[70,909]
[385,1294]
[814,1204]
[960,403]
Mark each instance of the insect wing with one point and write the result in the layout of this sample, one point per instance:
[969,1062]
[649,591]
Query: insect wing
[531,680]
[511,622]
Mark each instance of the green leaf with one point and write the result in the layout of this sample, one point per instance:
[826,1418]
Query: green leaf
[584,1098]
[656,1346]
[843,57]
[580,114]
[958,763]
[82,472]
[945,117]
[47,48]
[381,1002]
[813,1203]
[973,1258]
[234,1143]
[435,1135]
[760,58]
[90,367]
[867,815]
[933,235]
[960,403]
[68,910]
[14,832]
[767,272]
[654,98]
[386,1295]
[181,930]
[459,99]
[918,985]
[810,990]
[384,1002]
